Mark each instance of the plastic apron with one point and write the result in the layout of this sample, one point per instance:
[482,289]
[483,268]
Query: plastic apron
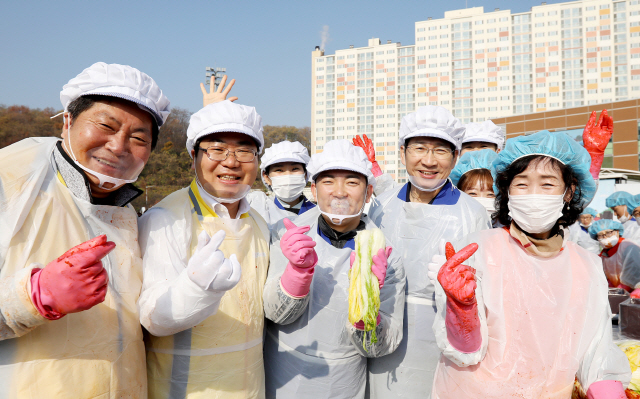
[548,320]
[622,264]
[632,231]
[97,353]
[415,231]
[582,238]
[222,356]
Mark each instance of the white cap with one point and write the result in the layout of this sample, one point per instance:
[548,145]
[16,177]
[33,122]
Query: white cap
[487,132]
[284,151]
[341,155]
[225,116]
[121,81]
[431,121]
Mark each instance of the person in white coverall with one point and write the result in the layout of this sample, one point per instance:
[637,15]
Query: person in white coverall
[284,171]
[529,311]
[311,349]
[416,217]
[68,318]
[579,231]
[205,259]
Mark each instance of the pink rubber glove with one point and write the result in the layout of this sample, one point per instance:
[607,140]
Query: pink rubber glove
[459,284]
[370,151]
[74,282]
[607,389]
[297,247]
[635,293]
[595,137]
[379,269]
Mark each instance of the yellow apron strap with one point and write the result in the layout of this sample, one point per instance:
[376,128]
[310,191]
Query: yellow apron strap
[200,206]
[61,179]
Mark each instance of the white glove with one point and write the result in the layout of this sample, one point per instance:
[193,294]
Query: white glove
[209,269]
[436,263]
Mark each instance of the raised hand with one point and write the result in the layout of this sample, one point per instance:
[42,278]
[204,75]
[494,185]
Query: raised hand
[298,247]
[214,96]
[595,137]
[74,282]
[458,280]
[370,151]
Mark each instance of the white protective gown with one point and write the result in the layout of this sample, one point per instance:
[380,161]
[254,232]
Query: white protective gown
[196,349]
[311,350]
[548,321]
[270,211]
[583,239]
[415,231]
[97,353]
[632,231]
[622,264]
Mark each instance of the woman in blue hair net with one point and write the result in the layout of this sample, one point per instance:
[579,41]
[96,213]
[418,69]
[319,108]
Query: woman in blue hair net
[528,310]
[620,257]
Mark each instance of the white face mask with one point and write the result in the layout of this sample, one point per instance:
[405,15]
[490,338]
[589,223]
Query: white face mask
[624,219]
[340,206]
[288,187]
[585,225]
[426,184]
[488,203]
[609,242]
[113,182]
[535,213]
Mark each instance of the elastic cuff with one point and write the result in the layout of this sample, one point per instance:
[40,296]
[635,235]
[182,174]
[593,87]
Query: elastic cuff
[360,324]
[36,298]
[296,281]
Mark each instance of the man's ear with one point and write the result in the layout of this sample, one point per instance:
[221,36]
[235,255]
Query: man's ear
[314,192]
[369,193]
[402,156]
[66,122]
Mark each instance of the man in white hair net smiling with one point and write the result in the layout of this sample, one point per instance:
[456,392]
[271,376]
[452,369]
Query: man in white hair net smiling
[206,255]
[420,216]
[70,266]
[311,349]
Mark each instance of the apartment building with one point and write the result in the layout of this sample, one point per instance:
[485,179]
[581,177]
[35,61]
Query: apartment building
[481,65]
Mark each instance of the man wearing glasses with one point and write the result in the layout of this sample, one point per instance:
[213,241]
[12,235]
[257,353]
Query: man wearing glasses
[205,259]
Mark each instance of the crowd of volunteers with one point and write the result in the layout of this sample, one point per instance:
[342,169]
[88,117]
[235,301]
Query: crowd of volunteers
[493,274]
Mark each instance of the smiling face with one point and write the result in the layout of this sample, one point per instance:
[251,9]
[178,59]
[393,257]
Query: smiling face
[225,179]
[283,169]
[112,138]
[477,146]
[585,219]
[341,192]
[540,177]
[429,169]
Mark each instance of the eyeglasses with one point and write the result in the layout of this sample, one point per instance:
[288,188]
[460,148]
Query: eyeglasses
[605,234]
[636,213]
[422,151]
[220,154]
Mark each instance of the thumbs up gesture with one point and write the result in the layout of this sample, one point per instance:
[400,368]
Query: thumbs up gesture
[298,247]
[458,280]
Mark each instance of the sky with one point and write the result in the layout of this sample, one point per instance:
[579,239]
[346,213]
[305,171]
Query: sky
[265,45]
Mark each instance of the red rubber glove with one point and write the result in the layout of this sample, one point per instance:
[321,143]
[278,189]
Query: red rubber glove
[635,293]
[606,389]
[595,137]
[369,149]
[297,247]
[459,284]
[74,282]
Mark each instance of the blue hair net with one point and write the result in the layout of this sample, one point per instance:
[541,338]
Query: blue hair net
[604,224]
[633,203]
[472,160]
[555,145]
[618,198]
[589,211]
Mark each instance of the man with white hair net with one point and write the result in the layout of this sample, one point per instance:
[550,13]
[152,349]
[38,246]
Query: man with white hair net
[311,349]
[205,258]
[418,216]
[284,171]
[68,316]
[482,135]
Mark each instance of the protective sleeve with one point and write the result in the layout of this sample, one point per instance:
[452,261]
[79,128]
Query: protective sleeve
[389,330]
[630,275]
[603,360]
[170,302]
[461,359]
[258,201]
[384,182]
[279,306]
[18,315]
